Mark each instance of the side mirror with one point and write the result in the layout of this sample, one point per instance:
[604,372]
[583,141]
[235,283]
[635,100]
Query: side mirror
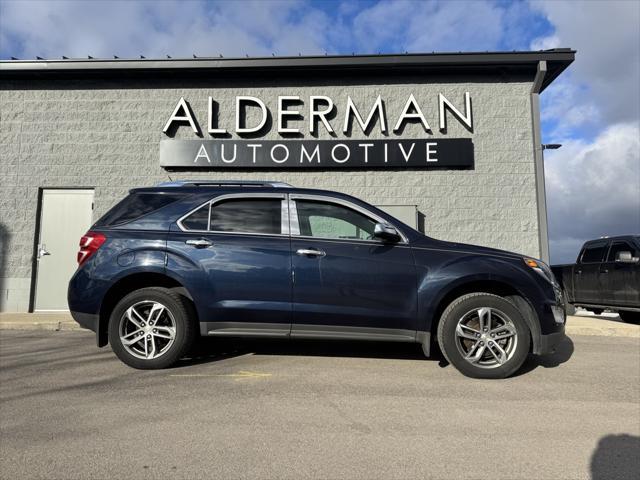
[626,257]
[386,232]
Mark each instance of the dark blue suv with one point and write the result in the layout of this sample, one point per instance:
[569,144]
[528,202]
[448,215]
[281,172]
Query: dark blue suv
[264,259]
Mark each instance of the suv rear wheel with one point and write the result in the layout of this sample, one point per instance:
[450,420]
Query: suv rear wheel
[484,336]
[151,328]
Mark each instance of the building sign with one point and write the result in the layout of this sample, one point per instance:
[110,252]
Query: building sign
[294,115]
[319,154]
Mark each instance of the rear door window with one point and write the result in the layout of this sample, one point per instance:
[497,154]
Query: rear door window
[254,215]
[594,253]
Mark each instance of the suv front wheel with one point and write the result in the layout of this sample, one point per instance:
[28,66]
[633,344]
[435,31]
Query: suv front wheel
[151,328]
[484,336]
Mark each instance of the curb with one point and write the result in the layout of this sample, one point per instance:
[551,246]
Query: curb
[43,326]
[52,322]
[603,331]
[600,326]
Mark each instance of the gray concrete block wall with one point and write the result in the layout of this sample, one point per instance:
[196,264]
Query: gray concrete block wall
[90,135]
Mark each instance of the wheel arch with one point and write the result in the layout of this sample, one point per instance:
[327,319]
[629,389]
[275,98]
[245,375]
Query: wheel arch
[128,284]
[493,286]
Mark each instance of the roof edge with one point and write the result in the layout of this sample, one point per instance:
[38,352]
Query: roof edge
[559,59]
[440,58]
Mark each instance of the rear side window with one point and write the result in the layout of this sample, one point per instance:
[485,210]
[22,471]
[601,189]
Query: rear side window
[594,253]
[135,206]
[198,220]
[617,247]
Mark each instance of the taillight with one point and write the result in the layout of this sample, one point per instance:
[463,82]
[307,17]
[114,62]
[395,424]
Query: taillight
[89,244]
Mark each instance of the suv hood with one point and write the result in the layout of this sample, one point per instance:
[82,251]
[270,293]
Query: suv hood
[426,242]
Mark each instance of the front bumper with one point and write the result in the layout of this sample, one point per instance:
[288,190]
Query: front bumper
[549,343]
[552,321]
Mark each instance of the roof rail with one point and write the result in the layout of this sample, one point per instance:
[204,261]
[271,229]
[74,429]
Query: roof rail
[223,183]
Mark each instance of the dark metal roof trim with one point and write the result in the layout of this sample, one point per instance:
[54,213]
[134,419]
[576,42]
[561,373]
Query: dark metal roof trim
[558,59]
[475,58]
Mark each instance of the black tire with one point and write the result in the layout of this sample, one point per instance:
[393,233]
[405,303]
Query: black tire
[630,317]
[451,344]
[183,316]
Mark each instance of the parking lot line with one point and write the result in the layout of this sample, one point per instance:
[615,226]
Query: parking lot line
[237,376]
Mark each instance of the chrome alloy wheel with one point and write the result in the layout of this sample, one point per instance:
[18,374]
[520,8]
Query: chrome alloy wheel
[147,330]
[486,337]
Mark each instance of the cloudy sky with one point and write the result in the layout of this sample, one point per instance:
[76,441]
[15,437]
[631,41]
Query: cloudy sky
[593,109]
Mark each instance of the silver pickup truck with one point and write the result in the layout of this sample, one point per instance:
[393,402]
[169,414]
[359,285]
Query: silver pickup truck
[606,276]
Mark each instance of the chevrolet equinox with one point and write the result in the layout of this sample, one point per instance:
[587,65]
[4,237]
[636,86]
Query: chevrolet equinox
[264,259]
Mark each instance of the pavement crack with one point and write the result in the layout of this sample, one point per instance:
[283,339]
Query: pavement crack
[353,424]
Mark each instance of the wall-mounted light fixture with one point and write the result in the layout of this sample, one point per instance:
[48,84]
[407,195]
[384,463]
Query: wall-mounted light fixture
[551,146]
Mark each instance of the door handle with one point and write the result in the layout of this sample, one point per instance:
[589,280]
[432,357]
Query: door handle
[199,243]
[578,272]
[42,251]
[604,270]
[311,252]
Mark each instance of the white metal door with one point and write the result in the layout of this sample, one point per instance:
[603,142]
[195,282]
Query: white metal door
[65,217]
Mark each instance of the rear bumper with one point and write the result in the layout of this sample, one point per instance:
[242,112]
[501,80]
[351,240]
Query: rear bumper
[86,320]
[549,343]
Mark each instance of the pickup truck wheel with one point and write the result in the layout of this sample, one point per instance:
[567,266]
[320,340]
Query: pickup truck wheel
[630,317]
[151,328]
[484,336]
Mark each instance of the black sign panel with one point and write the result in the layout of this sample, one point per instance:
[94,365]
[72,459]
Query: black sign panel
[451,153]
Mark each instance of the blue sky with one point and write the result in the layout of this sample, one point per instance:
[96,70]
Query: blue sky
[593,109]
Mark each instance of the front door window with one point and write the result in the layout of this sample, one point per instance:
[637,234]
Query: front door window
[328,220]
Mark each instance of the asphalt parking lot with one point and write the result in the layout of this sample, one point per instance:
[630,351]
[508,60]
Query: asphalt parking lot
[314,410]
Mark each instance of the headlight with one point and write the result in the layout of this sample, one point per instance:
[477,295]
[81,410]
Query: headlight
[541,269]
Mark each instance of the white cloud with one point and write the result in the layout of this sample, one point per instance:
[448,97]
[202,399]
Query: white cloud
[256,27]
[593,188]
[606,35]
[546,43]
[128,29]
[429,25]
[564,105]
